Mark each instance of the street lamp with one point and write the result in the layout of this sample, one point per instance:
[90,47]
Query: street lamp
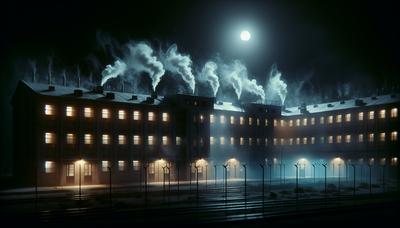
[109,173]
[313,165]
[324,165]
[80,162]
[226,180]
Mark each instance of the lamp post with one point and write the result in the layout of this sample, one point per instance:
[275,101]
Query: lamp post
[354,179]
[270,176]
[109,184]
[262,180]
[284,174]
[197,181]
[325,192]
[80,162]
[177,169]
[339,165]
[226,181]
[206,175]
[313,165]
[370,179]
[383,178]
[297,183]
[245,180]
[215,175]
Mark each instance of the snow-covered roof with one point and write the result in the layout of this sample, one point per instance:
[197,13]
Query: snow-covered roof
[345,104]
[227,106]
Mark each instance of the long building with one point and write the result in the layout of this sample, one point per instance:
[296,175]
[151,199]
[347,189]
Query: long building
[65,135]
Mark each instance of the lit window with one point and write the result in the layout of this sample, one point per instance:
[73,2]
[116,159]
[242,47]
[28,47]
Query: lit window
[121,114]
[178,140]
[222,119]
[360,138]
[371,115]
[282,141]
[348,117]
[297,141]
[87,169]
[241,120]
[305,140]
[360,116]
[275,140]
[49,110]
[49,138]
[382,114]
[232,141]
[69,111]
[321,120]
[348,139]
[70,138]
[70,170]
[136,165]
[297,122]
[283,123]
[371,137]
[312,140]
[266,122]
[212,120]
[258,122]
[393,136]
[88,139]
[338,139]
[105,165]
[49,166]
[165,117]
[150,140]
[121,165]
[322,140]
[266,141]
[250,141]
[136,115]
[165,140]
[330,139]
[88,112]
[291,141]
[312,121]
[258,141]
[305,122]
[290,123]
[105,139]
[150,116]
[393,161]
[201,118]
[105,113]
[393,112]
[136,140]
[121,139]
[241,141]
[339,118]
[250,121]
[382,136]
[232,121]
[212,140]
[222,140]
[330,119]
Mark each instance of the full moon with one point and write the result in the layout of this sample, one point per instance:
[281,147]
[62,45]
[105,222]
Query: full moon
[245,35]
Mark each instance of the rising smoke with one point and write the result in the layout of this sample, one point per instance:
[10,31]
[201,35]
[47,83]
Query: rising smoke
[209,74]
[276,86]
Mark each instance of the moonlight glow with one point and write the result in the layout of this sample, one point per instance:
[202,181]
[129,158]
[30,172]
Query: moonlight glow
[245,35]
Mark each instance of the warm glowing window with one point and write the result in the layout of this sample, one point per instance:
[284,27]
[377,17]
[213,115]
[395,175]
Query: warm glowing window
[88,139]
[121,114]
[69,111]
[312,121]
[136,140]
[297,141]
[321,120]
[150,116]
[87,169]
[290,123]
[322,140]
[49,110]
[291,141]
[232,120]
[70,170]
[250,121]
[297,122]
[49,138]
[121,165]
[178,140]
[371,115]
[266,122]
[348,117]
[87,112]
[382,136]
[121,139]
[338,139]
[266,141]
[212,140]
[241,141]
[105,165]
[201,118]
[105,139]
[232,141]
[258,122]
[393,136]
[222,140]
[212,120]
[275,140]
[105,113]
[150,140]
[165,140]
[49,166]
[275,123]
[136,115]
[136,165]
[165,117]
[382,114]
[330,139]
[393,112]
[283,123]
[330,119]
[312,140]
[360,138]
[258,141]
[348,139]
[152,168]
[222,119]
[339,118]
[360,116]
[305,140]
[305,122]
[371,137]
[282,141]
[241,120]
[71,138]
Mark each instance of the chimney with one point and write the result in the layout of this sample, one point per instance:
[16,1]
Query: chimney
[154,95]
[359,102]
[110,95]
[49,78]
[79,81]
[78,92]
[98,89]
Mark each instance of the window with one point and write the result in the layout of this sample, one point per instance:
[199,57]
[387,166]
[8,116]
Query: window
[360,116]
[212,140]
[201,118]
[275,141]
[232,141]
[222,119]
[330,119]
[49,138]
[360,138]
[382,136]
[49,110]
[322,140]
[266,141]
[87,169]
[371,115]
[321,120]
[393,112]
[152,168]
[232,120]
[348,117]
[49,167]
[88,139]
[105,165]
[165,140]
[136,140]
[283,123]
[71,138]
[297,122]
[297,141]
[291,141]
[241,141]
[136,165]
[305,122]
[371,137]
[105,139]
[339,118]
[70,170]
[330,139]
[150,140]
[69,111]
[282,141]
[178,140]
[121,114]
[275,123]
[312,121]
[393,136]
[250,121]
[121,139]
[266,122]
[121,165]
[305,140]
[212,120]
[290,123]
[312,140]
[258,122]
[165,117]
[250,141]
[105,113]
[222,140]
[258,141]
[382,114]
[338,139]
[150,116]
[348,139]
[87,112]
[136,115]
[241,120]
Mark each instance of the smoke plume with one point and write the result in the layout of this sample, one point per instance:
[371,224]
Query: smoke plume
[209,74]
[276,86]
[113,71]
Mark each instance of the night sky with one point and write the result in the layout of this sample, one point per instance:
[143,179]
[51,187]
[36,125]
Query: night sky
[327,45]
